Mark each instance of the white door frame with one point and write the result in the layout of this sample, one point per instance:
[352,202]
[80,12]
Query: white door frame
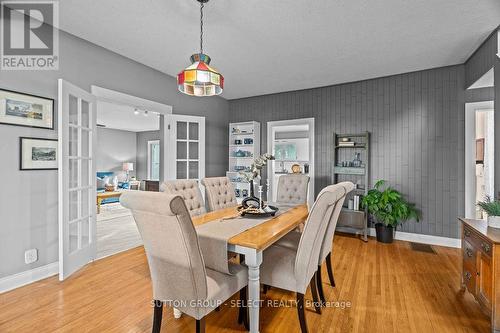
[150,143]
[170,150]
[85,217]
[270,135]
[470,154]
[116,97]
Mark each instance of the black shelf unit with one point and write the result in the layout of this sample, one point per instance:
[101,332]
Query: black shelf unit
[352,221]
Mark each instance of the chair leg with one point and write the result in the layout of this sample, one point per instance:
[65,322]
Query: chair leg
[158,310]
[265,288]
[200,325]
[243,310]
[314,292]
[302,313]
[330,269]
[319,282]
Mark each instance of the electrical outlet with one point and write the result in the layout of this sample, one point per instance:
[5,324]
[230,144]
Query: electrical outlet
[30,256]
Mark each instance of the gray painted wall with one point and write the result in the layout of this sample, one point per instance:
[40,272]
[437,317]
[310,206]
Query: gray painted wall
[481,61]
[480,95]
[115,147]
[28,199]
[417,126]
[142,152]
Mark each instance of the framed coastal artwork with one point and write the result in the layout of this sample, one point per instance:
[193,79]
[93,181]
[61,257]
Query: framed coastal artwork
[26,110]
[38,154]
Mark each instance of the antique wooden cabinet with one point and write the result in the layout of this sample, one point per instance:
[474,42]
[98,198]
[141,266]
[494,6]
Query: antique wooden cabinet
[481,266]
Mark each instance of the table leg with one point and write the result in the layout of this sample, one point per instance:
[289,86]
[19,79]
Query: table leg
[253,261]
[99,201]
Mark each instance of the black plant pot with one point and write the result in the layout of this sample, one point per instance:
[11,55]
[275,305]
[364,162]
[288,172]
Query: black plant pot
[385,234]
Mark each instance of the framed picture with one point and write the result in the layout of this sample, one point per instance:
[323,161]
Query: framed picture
[38,154]
[26,110]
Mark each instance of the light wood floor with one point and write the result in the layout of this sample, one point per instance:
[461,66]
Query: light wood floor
[391,287]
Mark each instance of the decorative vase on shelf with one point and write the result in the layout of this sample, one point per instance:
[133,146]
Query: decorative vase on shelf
[494,221]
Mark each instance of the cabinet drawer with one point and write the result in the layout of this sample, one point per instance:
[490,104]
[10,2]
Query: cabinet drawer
[469,279]
[470,255]
[486,247]
[477,241]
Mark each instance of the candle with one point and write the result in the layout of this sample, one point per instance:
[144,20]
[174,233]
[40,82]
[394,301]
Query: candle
[267,189]
[260,197]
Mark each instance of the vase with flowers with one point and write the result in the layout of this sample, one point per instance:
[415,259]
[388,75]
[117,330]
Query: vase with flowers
[252,173]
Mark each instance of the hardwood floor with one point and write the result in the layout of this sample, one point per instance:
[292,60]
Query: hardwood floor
[392,288]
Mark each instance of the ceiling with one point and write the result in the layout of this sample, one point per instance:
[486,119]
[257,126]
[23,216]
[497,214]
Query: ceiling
[126,118]
[264,47]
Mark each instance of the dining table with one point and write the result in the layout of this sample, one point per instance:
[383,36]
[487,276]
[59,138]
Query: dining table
[252,242]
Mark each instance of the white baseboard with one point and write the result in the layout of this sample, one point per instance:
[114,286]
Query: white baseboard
[21,279]
[425,239]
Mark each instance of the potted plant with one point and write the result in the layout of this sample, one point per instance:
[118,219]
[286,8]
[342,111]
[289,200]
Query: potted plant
[389,209]
[492,209]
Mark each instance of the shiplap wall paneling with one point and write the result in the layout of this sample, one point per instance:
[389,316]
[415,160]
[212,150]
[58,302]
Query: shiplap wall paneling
[416,121]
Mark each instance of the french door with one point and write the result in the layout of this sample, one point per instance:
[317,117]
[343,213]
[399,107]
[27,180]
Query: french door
[77,185]
[185,148]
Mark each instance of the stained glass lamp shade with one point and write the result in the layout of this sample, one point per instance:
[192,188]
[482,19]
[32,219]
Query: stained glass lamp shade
[200,79]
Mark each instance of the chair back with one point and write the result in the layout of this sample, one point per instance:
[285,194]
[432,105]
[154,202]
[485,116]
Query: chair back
[326,247]
[311,240]
[171,243]
[219,193]
[292,189]
[189,190]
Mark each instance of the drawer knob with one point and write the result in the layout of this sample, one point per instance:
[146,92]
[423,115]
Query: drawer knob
[468,276]
[467,233]
[486,247]
[469,253]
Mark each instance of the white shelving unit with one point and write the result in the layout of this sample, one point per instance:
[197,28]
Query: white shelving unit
[242,154]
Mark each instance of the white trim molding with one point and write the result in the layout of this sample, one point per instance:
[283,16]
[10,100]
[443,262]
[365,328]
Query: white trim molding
[21,279]
[424,239]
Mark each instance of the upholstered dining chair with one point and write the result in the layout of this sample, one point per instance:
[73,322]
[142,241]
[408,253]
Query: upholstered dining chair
[291,241]
[175,260]
[220,193]
[189,190]
[292,189]
[294,269]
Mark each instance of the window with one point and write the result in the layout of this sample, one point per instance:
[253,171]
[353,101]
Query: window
[154,160]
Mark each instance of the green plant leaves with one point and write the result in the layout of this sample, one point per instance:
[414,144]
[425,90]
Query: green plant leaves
[388,205]
[490,206]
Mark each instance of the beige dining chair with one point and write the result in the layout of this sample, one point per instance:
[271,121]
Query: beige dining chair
[292,189]
[291,241]
[189,190]
[219,193]
[178,272]
[294,269]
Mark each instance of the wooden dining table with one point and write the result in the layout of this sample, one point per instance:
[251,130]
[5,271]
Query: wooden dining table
[252,242]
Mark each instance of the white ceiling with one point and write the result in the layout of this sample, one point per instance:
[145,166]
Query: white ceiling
[264,47]
[124,117]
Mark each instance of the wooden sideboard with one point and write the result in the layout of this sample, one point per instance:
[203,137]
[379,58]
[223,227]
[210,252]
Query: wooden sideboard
[481,266]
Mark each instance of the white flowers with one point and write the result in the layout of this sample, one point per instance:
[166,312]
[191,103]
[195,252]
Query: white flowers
[256,166]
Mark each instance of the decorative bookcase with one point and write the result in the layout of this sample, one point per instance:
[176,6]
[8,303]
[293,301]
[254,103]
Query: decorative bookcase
[244,147]
[351,162]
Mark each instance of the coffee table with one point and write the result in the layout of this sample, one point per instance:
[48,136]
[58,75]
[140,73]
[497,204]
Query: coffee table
[106,195]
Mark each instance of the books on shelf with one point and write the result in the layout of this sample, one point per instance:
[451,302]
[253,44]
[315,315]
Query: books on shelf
[346,144]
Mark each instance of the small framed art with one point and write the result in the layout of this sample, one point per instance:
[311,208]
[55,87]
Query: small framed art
[38,154]
[26,110]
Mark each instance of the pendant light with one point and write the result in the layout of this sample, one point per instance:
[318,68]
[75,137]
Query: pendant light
[200,79]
